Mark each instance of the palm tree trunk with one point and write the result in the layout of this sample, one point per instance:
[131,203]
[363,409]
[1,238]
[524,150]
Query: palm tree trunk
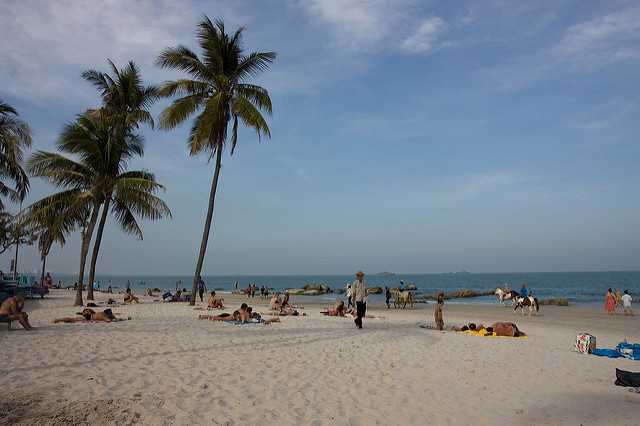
[15,263]
[207,225]
[86,239]
[44,262]
[96,247]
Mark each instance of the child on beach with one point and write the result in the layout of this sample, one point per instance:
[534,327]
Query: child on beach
[437,313]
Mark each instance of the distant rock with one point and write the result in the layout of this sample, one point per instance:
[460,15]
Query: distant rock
[374,290]
[411,287]
[295,291]
[558,301]
[464,293]
[385,274]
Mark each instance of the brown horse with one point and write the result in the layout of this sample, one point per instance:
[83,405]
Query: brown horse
[401,298]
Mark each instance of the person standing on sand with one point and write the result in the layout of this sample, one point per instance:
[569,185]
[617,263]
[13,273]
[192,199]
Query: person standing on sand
[359,294]
[626,303]
[609,302]
[387,296]
[618,296]
[349,299]
[437,312]
[202,287]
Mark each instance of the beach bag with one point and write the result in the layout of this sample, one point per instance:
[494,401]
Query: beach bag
[585,343]
[627,378]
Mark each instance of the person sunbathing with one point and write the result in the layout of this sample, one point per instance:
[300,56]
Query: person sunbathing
[337,311]
[508,329]
[238,315]
[11,309]
[215,302]
[89,315]
[471,326]
[130,298]
[258,318]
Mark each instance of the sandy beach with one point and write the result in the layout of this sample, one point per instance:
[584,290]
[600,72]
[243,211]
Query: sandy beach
[164,366]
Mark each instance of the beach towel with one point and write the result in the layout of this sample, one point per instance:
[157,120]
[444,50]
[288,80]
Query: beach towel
[236,322]
[610,353]
[484,333]
[623,349]
[629,350]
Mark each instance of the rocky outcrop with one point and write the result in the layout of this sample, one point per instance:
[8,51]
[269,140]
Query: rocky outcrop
[458,294]
[558,301]
[374,290]
[312,289]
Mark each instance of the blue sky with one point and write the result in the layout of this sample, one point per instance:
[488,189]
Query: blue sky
[410,136]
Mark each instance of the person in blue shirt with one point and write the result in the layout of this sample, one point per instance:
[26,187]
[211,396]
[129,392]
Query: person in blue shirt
[523,290]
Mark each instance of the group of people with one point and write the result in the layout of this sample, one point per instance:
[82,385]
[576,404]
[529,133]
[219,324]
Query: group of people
[618,301]
[281,306]
[243,315]
[215,302]
[252,289]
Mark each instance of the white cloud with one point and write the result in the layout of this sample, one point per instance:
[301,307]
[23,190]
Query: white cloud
[426,36]
[605,39]
[582,47]
[376,24]
[358,22]
[46,45]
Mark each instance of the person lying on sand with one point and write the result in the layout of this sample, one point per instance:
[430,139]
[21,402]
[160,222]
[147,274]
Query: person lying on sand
[215,302]
[256,316]
[506,329]
[11,309]
[238,315]
[130,298]
[337,311]
[288,312]
[89,315]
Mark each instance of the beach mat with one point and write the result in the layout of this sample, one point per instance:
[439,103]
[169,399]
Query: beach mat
[483,334]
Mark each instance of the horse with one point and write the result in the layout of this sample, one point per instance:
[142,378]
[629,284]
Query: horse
[401,297]
[530,301]
[504,295]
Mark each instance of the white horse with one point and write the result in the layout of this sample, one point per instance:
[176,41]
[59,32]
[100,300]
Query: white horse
[504,295]
[530,301]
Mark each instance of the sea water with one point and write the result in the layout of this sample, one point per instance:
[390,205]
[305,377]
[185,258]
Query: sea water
[578,287]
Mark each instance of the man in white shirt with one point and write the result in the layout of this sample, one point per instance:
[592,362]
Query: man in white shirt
[626,303]
[359,292]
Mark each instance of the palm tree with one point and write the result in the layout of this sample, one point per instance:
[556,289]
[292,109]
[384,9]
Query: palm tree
[15,136]
[125,104]
[218,90]
[99,180]
[52,223]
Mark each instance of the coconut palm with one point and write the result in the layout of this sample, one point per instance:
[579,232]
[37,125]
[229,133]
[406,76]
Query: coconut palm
[125,105]
[15,136]
[99,181]
[219,92]
[52,224]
